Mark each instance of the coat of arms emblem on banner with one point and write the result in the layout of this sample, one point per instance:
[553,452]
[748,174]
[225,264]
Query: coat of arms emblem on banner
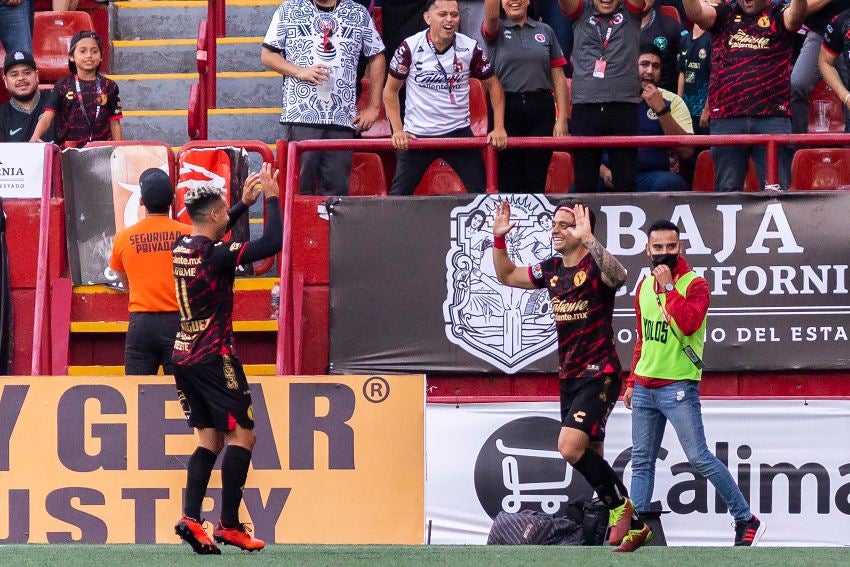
[505,326]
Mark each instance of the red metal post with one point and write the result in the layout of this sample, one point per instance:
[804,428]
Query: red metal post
[221,18]
[41,282]
[212,66]
[285,324]
[772,167]
[491,167]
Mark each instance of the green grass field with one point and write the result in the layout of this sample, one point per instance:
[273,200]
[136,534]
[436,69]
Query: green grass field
[397,556]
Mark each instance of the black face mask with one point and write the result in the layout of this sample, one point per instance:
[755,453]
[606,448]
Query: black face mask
[668,260]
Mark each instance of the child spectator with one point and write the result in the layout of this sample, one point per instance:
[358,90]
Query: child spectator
[85,104]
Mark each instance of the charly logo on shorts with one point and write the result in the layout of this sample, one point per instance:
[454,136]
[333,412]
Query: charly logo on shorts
[505,326]
[519,468]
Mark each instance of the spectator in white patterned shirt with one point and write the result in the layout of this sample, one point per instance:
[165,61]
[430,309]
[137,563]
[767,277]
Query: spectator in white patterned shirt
[315,45]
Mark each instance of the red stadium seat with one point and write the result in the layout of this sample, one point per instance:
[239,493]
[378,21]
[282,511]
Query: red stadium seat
[704,174]
[367,175]
[440,179]
[477,108]
[381,128]
[193,116]
[53,32]
[560,176]
[820,169]
[672,12]
[822,92]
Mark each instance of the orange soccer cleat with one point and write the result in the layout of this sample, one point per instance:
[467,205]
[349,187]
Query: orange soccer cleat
[192,532]
[239,536]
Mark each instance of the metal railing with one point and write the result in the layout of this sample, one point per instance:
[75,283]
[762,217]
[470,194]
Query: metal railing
[289,333]
[42,284]
[202,95]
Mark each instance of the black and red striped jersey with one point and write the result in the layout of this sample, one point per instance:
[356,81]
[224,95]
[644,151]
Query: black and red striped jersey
[204,272]
[583,307]
[750,63]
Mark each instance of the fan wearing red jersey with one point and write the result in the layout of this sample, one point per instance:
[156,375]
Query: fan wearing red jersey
[582,282]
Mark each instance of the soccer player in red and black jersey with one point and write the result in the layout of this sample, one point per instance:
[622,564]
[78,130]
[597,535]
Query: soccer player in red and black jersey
[211,385]
[582,281]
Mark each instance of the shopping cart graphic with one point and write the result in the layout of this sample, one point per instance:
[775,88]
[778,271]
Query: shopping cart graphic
[527,492]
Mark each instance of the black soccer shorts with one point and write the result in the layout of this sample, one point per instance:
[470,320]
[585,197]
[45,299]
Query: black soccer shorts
[586,403]
[215,394]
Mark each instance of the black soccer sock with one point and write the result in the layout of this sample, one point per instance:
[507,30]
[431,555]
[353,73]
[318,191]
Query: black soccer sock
[601,477]
[201,464]
[234,471]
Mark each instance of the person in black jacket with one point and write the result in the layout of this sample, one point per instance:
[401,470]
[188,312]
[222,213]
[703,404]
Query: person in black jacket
[20,114]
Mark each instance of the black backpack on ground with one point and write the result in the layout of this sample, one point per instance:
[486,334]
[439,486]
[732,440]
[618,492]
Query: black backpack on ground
[528,527]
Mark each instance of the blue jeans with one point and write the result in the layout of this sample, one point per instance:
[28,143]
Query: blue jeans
[660,181]
[679,404]
[731,162]
[15,29]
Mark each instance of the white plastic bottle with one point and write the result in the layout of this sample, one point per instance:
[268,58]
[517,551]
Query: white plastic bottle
[326,88]
[275,302]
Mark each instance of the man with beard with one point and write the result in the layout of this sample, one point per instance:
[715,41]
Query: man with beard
[749,89]
[582,281]
[20,114]
[661,113]
[671,306]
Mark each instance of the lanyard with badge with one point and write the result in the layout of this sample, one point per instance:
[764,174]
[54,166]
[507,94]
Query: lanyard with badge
[450,81]
[100,102]
[613,25]
[687,349]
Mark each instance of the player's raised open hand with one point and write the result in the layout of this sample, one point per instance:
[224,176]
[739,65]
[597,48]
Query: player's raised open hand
[581,230]
[502,219]
[251,189]
[268,178]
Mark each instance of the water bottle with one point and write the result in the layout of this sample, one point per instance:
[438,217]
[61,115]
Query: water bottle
[275,302]
[325,88]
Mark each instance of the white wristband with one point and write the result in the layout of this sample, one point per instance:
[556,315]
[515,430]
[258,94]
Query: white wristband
[845,98]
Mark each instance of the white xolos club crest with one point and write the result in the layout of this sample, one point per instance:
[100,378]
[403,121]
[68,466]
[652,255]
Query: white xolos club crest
[505,326]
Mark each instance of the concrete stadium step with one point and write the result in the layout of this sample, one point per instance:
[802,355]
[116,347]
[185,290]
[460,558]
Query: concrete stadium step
[166,19]
[168,91]
[224,124]
[233,54]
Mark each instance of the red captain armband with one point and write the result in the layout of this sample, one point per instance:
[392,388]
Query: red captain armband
[499,242]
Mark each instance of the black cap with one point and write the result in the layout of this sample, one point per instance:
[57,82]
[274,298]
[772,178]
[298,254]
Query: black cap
[75,40]
[18,58]
[157,190]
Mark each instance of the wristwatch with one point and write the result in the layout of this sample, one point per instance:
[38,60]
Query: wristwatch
[668,287]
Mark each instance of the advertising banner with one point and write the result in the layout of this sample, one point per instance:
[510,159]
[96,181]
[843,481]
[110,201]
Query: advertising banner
[103,460]
[225,168]
[21,170]
[788,457]
[413,279]
[102,197]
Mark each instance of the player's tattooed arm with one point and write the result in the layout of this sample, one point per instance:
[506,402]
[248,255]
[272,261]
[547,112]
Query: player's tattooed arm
[613,272]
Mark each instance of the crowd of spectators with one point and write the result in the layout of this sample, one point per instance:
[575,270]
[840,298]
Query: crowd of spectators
[550,67]
[570,67]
